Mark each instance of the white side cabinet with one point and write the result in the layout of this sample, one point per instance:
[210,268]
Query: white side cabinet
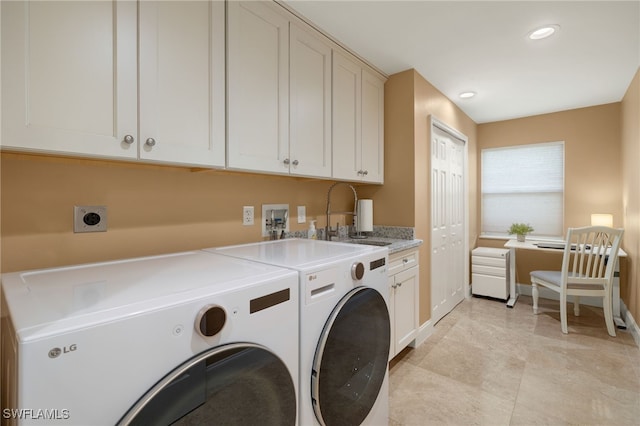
[490,272]
[403,299]
[70,79]
[358,121]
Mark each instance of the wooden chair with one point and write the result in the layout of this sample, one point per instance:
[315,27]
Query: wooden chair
[589,260]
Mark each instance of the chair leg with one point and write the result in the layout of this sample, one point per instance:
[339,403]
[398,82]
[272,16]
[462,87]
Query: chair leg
[576,306]
[563,312]
[608,315]
[534,294]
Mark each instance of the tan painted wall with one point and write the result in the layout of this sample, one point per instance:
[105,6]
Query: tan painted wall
[630,124]
[593,175]
[151,209]
[409,101]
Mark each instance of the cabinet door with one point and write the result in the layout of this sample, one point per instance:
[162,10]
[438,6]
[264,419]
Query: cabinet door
[310,104]
[392,314]
[182,82]
[258,81]
[347,77]
[372,128]
[406,307]
[69,77]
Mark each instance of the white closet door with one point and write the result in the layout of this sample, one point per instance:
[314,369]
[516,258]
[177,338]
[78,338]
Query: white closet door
[182,99]
[69,77]
[448,224]
[258,83]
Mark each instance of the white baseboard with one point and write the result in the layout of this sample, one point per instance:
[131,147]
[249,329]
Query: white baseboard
[630,322]
[424,332]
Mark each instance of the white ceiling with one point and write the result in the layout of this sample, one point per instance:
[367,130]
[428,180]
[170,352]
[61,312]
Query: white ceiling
[483,46]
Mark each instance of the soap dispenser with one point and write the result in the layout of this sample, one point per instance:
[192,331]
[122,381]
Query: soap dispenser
[312,234]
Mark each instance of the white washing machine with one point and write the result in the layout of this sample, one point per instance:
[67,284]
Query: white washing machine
[190,338]
[344,327]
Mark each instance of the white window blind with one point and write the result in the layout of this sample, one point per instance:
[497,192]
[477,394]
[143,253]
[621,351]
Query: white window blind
[523,184]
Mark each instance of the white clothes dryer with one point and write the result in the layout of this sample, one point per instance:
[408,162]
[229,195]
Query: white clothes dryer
[344,327]
[186,338]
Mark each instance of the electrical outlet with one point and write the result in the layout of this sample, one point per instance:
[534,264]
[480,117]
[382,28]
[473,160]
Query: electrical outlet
[247,215]
[89,218]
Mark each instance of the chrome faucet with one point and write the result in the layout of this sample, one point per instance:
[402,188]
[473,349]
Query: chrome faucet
[328,231]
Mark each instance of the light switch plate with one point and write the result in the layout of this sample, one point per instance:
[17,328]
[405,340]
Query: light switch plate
[89,218]
[302,214]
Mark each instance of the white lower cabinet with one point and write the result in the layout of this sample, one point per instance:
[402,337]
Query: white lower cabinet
[403,299]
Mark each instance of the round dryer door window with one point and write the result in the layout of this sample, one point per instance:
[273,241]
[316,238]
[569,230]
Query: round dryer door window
[351,358]
[235,384]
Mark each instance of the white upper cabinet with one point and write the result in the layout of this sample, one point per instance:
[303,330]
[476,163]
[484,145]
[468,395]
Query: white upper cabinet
[372,155]
[70,79]
[182,84]
[258,87]
[310,96]
[358,121]
[279,93]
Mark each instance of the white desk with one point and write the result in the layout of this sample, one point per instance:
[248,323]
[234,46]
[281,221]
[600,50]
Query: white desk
[513,245]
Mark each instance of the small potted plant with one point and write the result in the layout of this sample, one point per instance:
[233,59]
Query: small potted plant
[521,230]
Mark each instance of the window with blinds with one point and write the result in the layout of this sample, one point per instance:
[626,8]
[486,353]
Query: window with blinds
[523,184]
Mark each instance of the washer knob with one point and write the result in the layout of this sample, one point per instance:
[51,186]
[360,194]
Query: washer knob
[357,271]
[210,320]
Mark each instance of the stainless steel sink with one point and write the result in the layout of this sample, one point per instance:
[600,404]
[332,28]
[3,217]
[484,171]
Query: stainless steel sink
[369,242]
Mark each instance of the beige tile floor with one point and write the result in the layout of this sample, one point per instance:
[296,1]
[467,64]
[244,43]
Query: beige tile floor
[486,364]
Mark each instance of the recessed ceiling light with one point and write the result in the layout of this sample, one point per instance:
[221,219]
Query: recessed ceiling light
[467,95]
[543,32]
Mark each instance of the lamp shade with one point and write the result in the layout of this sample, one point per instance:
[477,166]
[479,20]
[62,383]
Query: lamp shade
[602,219]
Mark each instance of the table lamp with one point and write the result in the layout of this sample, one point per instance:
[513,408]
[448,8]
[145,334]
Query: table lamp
[602,219]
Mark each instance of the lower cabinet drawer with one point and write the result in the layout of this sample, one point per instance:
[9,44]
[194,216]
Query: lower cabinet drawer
[488,261]
[491,286]
[489,270]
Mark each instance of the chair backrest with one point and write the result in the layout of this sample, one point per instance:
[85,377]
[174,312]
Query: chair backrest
[590,255]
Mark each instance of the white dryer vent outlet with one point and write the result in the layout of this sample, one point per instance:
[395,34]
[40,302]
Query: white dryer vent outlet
[89,218]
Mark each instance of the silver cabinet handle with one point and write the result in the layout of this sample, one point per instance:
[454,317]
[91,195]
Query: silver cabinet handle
[128,139]
[366,172]
[286,161]
[360,172]
[295,162]
[150,142]
[405,261]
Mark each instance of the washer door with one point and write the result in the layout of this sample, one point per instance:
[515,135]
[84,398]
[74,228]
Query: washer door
[351,358]
[235,384]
